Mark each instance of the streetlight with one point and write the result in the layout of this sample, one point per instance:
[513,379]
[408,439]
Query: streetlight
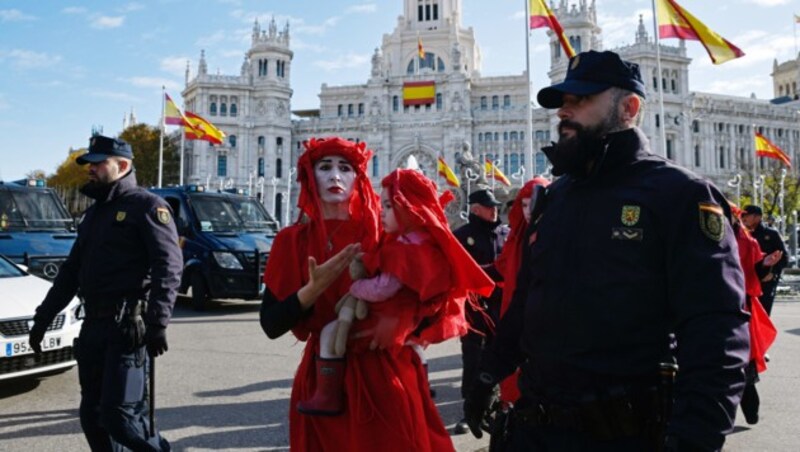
[286,215]
[781,193]
[470,176]
[274,183]
[736,182]
[520,175]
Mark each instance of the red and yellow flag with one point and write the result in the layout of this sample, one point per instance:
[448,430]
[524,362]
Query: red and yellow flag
[447,173]
[420,50]
[543,17]
[419,93]
[765,148]
[796,19]
[200,129]
[495,173]
[676,22]
[172,114]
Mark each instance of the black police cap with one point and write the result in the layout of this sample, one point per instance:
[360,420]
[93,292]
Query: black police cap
[101,148]
[484,198]
[752,210]
[593,72]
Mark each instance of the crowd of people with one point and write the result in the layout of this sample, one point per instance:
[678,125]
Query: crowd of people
[627,309]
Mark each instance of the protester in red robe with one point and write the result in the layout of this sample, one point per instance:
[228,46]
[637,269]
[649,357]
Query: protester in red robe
[387,406]
[509,261]
[762,332]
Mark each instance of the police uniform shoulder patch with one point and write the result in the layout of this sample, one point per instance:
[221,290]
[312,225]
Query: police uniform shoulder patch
[711,220]
[470,241]
[121,215]
[163,215]
[630,215]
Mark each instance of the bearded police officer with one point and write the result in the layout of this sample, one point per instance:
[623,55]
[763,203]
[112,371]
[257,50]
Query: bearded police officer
[633,262]
[126,266]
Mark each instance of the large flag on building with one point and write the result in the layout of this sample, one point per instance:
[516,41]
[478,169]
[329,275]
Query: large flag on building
[448,174]
[200,129]
[765,148]
[172,114]
[495,173]
[419,93]
[543,17]
[676,22]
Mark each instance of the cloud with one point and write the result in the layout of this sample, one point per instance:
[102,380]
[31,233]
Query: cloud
[348,61]
[232,54]
[760,49]
[153,82]
[14,15]
[299,44]
[621,30]
[74,10]
[363,9]
[115,96]
[106,22]
[130,7]
[27,59]
[175,65]
[739,86]
[768,2]
[210,40]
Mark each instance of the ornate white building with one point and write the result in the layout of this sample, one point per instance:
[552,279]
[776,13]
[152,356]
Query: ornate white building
[711,134]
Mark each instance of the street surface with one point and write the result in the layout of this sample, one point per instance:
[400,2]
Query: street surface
[224,386]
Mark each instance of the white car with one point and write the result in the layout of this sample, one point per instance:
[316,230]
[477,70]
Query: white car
[22,293]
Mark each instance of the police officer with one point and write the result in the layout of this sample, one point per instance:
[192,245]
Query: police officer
[126,252]
[770,241]
[630,252]
[480,239]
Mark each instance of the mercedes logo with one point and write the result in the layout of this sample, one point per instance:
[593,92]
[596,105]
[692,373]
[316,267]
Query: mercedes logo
[50,270]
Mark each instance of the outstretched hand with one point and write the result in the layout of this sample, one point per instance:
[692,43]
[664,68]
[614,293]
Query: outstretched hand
[321,276]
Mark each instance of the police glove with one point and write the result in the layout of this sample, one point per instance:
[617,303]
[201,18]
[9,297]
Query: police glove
[155,338]
[36,335]
[479,399]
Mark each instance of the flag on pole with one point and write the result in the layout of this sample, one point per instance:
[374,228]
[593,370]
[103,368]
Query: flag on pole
[448,174]
[765,148]
[676,22]
[420,50]
[543,17]
[796,19]
[495,173]
[200,129]
[173,115]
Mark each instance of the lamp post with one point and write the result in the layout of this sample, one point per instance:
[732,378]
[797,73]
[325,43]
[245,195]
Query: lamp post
[274,183]
[736,183]
[781,194]
[520,175]
[470,176]
[287,215]
[762,184]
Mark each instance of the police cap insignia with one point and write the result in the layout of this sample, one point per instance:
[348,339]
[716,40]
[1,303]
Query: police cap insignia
[163,215]
[121,216]
[711,221]
[630,215]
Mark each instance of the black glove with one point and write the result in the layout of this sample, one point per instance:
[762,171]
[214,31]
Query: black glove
[476,406]
[36,335]
[155,338]
[676,444]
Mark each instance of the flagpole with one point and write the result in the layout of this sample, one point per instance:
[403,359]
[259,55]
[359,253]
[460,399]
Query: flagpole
[161,136]
[183,148]
[659,78]
[529,112]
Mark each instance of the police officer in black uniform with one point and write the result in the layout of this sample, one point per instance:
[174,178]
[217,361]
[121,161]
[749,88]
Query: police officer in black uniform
[631,256]
[770,241]
[126,267]
[480,239]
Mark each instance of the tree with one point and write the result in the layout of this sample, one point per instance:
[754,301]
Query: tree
[69,174]
[144,139]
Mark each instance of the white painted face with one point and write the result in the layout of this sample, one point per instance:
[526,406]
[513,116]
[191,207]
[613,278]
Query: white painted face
[526,209]
[388,217]
[335,179]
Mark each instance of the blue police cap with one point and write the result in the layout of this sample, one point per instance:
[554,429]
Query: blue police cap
[484,198]
[590,73]
[101,148]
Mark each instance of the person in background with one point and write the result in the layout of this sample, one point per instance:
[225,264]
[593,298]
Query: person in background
[769,239]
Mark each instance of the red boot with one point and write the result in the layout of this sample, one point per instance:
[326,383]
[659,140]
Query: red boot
[328,399]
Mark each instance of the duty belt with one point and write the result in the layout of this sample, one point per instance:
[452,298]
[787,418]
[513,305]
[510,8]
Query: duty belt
[101,311]
[619,416]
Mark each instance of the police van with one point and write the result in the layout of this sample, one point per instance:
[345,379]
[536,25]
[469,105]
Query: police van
[36,230]
[226,237]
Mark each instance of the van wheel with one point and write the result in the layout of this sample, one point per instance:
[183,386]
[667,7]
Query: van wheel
[199,292]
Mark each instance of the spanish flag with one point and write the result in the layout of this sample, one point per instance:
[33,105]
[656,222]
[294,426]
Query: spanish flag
[765,148]
[543,17]
[495,173]
[676,22]
[172,114]
[200,129]
[419,93]
[420,50]
[447,173]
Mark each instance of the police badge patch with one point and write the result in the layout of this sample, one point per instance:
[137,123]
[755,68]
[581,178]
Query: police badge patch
[163,215]
[711,221]
[630,215]
[121,216]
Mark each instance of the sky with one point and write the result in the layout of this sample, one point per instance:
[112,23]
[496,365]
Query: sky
[67,67]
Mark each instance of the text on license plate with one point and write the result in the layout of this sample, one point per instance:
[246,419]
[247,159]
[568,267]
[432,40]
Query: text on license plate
[22,347]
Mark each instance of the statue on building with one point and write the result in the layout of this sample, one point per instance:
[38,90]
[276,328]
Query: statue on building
[377,63]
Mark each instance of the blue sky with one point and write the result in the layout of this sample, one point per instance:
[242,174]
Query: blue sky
[68,66]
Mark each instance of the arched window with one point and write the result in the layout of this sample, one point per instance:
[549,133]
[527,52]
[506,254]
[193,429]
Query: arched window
[222,165]
[223,109]
[697,155]
[722,157]
[261,143]
[278,214]
[480,137]
[278,168]
[484,105]
[669,149]
[340,110]
[495,102]
[514,163]
[513,136]
[506,101]
[279,145]
[349,110]
[212,109]
[261,166]
[232,140]
[234,107]
[361,109]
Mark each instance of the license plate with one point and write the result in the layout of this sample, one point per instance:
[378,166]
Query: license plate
[22,347]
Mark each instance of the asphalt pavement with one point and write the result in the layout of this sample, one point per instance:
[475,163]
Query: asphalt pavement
[224,386]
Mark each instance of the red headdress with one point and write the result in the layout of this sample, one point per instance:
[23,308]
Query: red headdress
[364,205]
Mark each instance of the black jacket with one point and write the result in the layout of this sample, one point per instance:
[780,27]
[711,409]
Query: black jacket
[639,249]
[126,243]
[770,241]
